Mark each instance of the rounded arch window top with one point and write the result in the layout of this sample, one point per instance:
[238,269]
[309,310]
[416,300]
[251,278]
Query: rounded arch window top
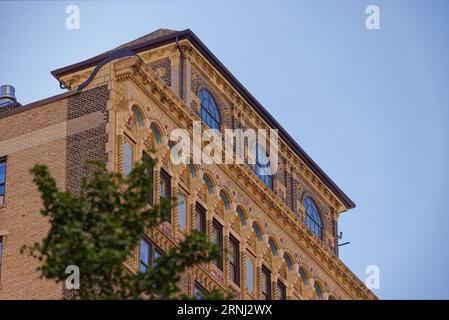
[257,231]
[156,133]
[273,246]
[137,116]
[288,261]
[209,185]
[313,217]
[209,112]
[226,201]
[303,275]
[242,216]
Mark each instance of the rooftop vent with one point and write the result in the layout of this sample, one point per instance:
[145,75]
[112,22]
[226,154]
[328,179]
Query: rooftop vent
[7,96]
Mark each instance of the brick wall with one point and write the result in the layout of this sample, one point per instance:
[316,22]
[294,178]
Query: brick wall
[86,145]
[20,220]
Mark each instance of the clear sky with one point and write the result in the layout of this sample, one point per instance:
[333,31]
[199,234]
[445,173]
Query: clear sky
[370,107]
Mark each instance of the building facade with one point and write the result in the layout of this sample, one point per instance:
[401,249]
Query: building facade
[280,230]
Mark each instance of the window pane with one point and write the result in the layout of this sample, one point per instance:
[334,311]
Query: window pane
[234,262]
[149,165]
[249,275]
[2,172]
[199,292]
[209,111]
[200,223]
[1,250]
[266,284]
[313,218]
[217,240]
[157,254]
[303,276]
[128,158]
[319,293]
[144,255]
[162,188]
[282,291]
[241,216]
[182,212]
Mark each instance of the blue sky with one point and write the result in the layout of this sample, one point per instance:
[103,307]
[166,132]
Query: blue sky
[370,107]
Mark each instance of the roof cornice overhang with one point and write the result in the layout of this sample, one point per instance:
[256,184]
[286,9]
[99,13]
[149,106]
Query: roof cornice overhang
[266,116]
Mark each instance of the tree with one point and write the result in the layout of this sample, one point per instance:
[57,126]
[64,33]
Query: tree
[97,230]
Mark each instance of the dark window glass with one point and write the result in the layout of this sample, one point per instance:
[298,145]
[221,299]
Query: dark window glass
[249,265]
[182,212]
[241,216]
[313,218]
[288,261]
[199,291]
[209,185]
[148,255]
[200,218]
[137,116]
[156,133]
[319,292]
[127,157]
[234,260]
[262,167]
[217,238]
[303,276]
[2,180]
[192,170]
[257,231]
[1,252]
[266,284]
[149,170]
[274,248]
[282,290]
[165,186]
[226,202]
[209,111]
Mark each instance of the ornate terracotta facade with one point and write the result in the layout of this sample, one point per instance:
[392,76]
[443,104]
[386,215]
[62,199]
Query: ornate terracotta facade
[162,82]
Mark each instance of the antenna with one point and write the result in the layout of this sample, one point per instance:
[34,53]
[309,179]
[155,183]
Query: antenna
[340,236]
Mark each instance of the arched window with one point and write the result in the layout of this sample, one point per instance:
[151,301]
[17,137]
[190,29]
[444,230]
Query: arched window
[288,261]
[313,218]
[274,248]
[241,216]
[209,185]
[156,133]
[257,231]
[209,111]
[303,276]
[226,202]
[137,116]
[263,167]
[319,292]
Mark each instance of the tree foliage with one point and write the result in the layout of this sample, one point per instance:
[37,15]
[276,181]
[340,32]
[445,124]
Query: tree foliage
[97,230]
